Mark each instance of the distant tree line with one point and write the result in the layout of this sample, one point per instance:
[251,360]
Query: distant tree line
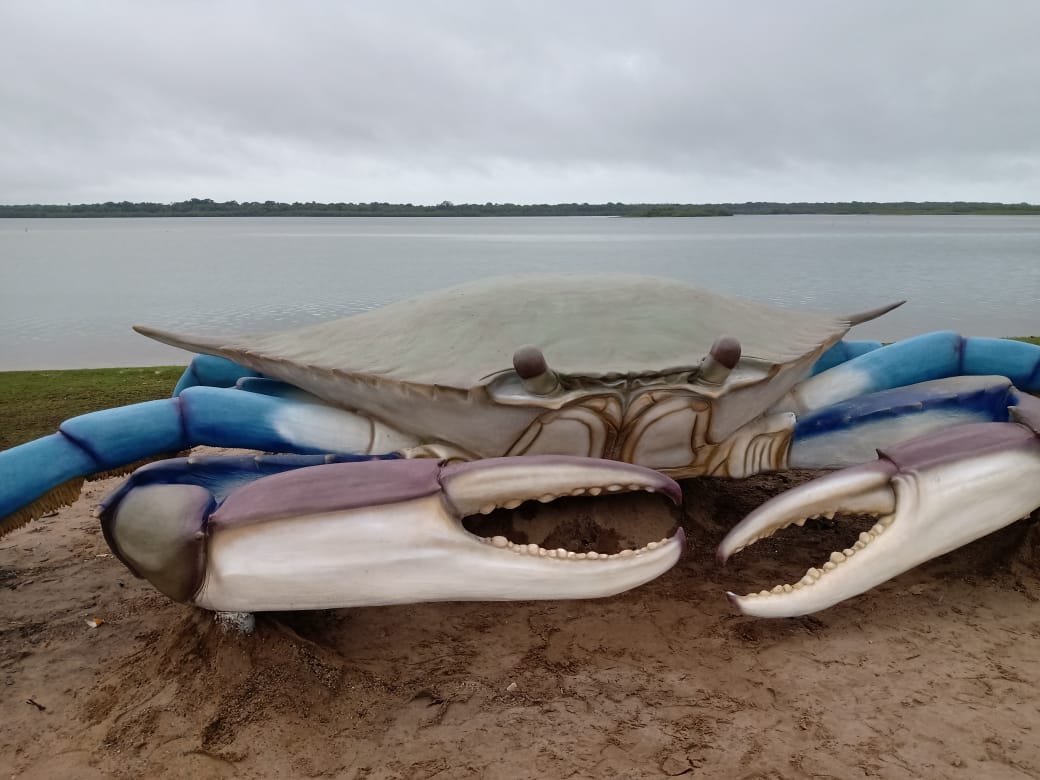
[874,207]
[205,207]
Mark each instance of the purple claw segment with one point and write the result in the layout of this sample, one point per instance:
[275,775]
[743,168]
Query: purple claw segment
[956,444]
[329,488]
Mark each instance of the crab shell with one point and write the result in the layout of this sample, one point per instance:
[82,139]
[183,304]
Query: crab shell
[625,354]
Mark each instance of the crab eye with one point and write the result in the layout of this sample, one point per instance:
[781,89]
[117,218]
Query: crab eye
[530,365]
[722,358]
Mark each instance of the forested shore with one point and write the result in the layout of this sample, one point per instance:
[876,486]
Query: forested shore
[206,207]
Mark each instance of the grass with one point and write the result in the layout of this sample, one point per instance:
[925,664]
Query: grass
[34,403]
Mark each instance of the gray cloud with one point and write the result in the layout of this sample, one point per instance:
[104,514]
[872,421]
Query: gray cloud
[520,101]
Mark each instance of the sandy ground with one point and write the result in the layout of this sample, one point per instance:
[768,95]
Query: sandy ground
[933,675]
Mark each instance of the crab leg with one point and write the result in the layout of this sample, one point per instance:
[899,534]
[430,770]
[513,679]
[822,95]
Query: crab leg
[931,495]
[841,352]
[849,432]
[259,534]
[47,473]
[920,359]
[211,371]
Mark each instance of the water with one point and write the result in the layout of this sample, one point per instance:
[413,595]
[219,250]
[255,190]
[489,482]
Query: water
[70,289]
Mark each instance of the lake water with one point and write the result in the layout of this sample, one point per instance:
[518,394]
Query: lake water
[70,289]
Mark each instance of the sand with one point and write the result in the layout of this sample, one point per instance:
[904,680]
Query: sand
[935,674]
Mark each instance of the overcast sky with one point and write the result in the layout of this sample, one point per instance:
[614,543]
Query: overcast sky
[526,102]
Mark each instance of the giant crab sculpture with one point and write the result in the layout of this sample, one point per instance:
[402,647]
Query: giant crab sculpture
[392,426]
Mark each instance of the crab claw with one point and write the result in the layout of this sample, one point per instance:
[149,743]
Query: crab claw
[364,534]
[931,495]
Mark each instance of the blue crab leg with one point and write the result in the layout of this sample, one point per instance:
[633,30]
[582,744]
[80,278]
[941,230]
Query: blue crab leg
[849,432]
[841,352]
[212,371]
[931,495]
[262,534]
[920,359]
[45,474]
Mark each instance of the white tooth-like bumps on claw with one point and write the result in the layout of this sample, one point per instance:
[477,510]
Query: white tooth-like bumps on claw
[464,491]
[533,549]
[814,574]
[546,498]
[561,554]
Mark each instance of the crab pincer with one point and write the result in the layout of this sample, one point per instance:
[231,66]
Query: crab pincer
[248,534]
[930,495]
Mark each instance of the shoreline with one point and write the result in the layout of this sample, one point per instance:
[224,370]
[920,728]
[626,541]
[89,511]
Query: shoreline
[207,207]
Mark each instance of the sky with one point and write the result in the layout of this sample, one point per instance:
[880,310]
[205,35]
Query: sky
[524,102]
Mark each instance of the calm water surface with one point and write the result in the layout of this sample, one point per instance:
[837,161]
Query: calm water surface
[70,289]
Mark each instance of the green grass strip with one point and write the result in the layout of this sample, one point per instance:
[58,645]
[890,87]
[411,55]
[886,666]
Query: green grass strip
[34,403]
